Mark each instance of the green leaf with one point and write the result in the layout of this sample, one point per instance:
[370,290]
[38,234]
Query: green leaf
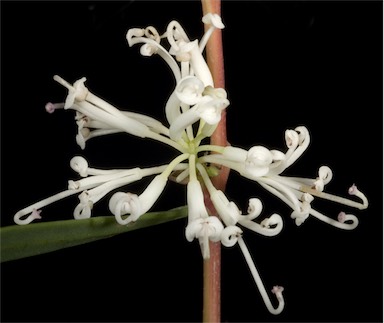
[20,241]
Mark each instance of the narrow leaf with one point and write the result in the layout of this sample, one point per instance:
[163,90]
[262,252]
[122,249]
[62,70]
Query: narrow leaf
[20,241]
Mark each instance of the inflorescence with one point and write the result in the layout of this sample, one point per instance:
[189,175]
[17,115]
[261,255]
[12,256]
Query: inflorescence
[193,111]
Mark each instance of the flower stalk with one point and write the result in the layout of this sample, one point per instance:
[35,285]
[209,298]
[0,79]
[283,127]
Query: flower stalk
[212,266]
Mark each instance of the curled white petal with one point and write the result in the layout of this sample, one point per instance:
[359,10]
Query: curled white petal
[304,140]
[84,208]
[78,92]
[183,54]
[32,212]
[278,159]
[152,33]
[306,197]
[125,203]
[80,89]
[292,141]
[291,138]
[353,190]
[297,142]
[259,156]
[73,185]
[258,161]
[79,165]
[82,136]
[213,19]
[268,227]
[325,173]
[133,33]
[325,176]
[278,291]
[135,36]
[148,50]
[348,221]
[301,215]
[189,90]
[34,215]
[210,110]
[272,225]
[344,221]
[176,34]
[254,208]
[277,155]
[135,206]
[230,235]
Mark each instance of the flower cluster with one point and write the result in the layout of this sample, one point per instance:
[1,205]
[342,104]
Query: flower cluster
[193,112]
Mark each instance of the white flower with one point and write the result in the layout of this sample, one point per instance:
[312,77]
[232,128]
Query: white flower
[325,176]
[301,215]
[193,111]
[265,167]
[259,160]
[254,208]
[79,165]
[126,203]
[204,229]
[189,90]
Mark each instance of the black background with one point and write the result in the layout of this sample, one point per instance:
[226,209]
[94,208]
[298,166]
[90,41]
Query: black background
[309,63]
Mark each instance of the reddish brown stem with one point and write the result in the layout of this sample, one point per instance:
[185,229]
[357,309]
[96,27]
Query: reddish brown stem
[212,266]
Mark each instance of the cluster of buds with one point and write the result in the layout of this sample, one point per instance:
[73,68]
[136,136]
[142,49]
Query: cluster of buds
[193,111]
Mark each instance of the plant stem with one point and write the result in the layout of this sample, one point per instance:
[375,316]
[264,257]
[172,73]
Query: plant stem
[212,266]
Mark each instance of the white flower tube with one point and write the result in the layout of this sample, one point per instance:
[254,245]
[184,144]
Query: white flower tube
[228,211]
[80,99]
[195,201]
[200,66]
